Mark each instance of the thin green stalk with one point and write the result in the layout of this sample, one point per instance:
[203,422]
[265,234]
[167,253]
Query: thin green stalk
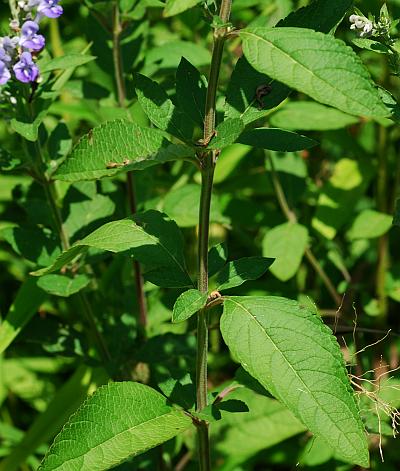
[383,242]
[130,182]
[207,175]
[291,217]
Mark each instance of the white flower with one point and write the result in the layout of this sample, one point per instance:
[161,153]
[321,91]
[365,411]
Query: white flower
[363,24]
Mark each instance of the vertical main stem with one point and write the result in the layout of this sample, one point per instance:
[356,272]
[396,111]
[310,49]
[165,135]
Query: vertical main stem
[208,161]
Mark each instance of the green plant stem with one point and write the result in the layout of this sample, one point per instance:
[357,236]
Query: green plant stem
[383,241]
[291,217]
[130,182]
[208,161]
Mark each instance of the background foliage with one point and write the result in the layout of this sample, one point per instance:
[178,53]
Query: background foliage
[325,213]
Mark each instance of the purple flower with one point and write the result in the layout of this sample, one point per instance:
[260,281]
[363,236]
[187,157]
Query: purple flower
[26,70]
[29,38]
[4,56]
[9,45]
[49,8]
[4,73]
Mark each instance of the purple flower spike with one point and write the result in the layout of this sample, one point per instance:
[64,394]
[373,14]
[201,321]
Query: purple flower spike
[29,38]
[49,8]
[26,70]
[4,73]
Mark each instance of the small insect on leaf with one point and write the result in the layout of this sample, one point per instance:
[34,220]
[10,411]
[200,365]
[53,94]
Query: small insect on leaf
[261,92]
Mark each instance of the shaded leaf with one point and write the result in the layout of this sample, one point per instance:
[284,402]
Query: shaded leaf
[191,91]
[335,204]
[150,237]
[25,305]
[217,257]
[66,61]
[237,272]
[298,360]
[160,109]
[276,139]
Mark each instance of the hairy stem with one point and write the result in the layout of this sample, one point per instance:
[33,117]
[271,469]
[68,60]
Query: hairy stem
[130,182]
[291,217]
[208,161]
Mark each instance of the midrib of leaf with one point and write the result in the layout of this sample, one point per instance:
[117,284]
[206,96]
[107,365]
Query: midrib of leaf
[297,375]
[114,437]
[309,71]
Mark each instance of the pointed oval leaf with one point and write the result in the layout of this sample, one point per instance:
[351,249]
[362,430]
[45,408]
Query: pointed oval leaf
[120,420]
[279,140]
[188,304]
[294,355]
[315,64]
[159,108]
[226,133]
[237,272]
[117,146]
[310,116]
[150,237]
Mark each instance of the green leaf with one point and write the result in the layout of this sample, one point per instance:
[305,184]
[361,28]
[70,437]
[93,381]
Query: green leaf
[287,244]
[296,357]
[370,224]
[226,133]
[29,129]
[310,116]
[64,286]
[396,218]
[191,91]
[65,62]
[217,257]
[118,146]
[182,205]
[188,304]
[241,98]
[335,205]
[174,7]
[320,15]
[267,423]
[239,271]
[149,237]
[37,245]
[315,64]
[25,305]
[276,139]
[160,109]
[119,421]
[371,45]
